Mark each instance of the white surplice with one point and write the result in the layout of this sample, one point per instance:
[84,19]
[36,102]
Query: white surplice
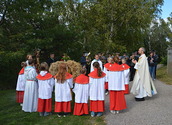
[106,71]
[81,93]
[126,76]
[116,80]
[63,90]
[97,88]
[45,87]
[21,82]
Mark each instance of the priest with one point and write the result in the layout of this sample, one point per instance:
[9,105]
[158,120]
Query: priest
[143,85]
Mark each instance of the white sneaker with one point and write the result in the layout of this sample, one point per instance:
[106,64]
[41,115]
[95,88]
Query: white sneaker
[112,111]
[64,116]
[59,115]
[21,104]
[106,93]
[117,112]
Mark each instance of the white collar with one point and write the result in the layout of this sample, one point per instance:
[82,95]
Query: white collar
[142,55]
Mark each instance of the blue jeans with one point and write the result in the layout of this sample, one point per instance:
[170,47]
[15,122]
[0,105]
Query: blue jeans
[152,71]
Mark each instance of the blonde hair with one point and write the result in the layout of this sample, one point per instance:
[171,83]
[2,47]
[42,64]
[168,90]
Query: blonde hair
[110,59]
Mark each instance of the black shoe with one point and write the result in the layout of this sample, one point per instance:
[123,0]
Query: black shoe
[106,92]
[139,99]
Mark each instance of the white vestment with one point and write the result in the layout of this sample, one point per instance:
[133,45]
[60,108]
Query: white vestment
[81,93]
[30,101]
[92,68]
[97,88]
[21,82]
[116,80]
[62,90]
[142,84]
[126,76]
[45,87]
[106,72]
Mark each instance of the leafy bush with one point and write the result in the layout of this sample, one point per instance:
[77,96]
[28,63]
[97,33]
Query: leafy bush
[164,60]
[10,66]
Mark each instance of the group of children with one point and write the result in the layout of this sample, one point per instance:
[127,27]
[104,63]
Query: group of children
[35,90]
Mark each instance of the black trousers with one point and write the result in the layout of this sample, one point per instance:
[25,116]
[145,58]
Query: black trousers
[132,73]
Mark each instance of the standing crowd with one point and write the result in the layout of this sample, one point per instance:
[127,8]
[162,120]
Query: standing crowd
[104,76]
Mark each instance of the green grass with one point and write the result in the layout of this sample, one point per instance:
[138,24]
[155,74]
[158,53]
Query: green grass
[163,76]
[11,114]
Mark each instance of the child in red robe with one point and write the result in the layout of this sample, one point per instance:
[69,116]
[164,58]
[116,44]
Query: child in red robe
[21,81]
[116,87]
[126,76]
[97,80]
[109,64]
[63,85]
[81,91]
[45,88]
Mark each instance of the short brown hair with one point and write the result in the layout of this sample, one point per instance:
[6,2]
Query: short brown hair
[83,71]
[28,56]
[116,59]
[44,66]
[23,64]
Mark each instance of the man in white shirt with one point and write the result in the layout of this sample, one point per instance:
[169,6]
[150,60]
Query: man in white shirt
[96,60]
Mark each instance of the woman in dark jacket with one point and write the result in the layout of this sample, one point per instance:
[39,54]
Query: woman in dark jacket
[151,62]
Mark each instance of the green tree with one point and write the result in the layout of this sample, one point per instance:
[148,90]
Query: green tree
[70,26]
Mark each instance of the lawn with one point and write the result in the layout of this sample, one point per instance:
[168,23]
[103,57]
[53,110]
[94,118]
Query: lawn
[163,76]
[11,114]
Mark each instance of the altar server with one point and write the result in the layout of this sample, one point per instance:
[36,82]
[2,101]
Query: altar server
[116,87]
[21,81]
[109,64]
[63,85]
[97,80]
[45,88]
[81,91]
[126,75]
[31,89]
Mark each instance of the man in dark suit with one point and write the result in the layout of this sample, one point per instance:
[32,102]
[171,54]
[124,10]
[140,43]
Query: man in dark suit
[51,59]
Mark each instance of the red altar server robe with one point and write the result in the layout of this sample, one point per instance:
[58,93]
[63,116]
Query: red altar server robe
[106,71]
[81,91]
[126,77]
[96,91]
[116,87]
[45,88]
[63,95]
[21,81]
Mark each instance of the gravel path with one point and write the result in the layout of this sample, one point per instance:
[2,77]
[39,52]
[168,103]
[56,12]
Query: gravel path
[153,111]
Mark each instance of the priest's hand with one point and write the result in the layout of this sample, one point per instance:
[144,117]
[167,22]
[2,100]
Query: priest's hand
[134,61]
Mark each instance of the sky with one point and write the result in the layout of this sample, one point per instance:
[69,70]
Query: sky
[166,9]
